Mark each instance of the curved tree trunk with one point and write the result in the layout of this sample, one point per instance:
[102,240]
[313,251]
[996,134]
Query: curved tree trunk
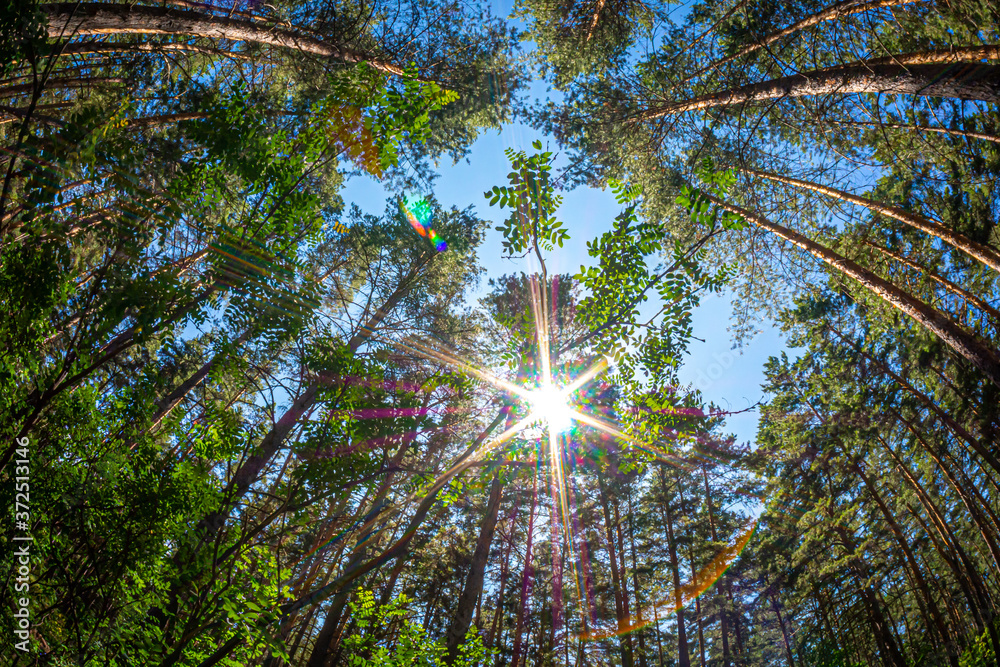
[88,48]
[325,653]
[830,13]
[967,81]
[60,84]
[978,519]
[984,254]
[923,128]
[251,468]
[928,606]
[964,343]
[944,282]
[974,443]
[72,19]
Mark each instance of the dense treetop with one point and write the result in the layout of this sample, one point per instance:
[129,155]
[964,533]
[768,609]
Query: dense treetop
[244,422]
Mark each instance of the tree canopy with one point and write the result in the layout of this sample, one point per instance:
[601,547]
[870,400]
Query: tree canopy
[248,420]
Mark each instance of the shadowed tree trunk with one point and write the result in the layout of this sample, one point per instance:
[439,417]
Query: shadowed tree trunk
[927,604]
[526,575]
[474,581]
[719,595]
[683,657]
[248,472]
[830,13]
[944,282]
[964,343]
[621,612]
[984,254]
[784,631]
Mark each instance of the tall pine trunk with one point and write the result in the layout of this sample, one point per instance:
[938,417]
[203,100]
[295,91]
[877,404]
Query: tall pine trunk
[474,581]
[964,343]
[72,19]
[621,613]
[683,657]
[968,81]
[984,254]
[526,576]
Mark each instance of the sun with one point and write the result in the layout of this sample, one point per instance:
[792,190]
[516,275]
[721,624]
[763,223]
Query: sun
[551,403]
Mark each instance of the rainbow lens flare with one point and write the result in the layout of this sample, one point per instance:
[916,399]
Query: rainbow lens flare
[439,243]
[418,213]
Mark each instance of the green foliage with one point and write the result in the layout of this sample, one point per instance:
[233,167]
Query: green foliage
[623,281]
[386,636]
[531,196]
[22,34]
[979,652]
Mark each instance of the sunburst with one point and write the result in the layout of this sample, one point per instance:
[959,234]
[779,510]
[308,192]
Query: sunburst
[551,404]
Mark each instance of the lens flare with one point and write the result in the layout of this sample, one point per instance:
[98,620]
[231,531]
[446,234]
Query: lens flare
[700,583]
[418,213]
[551,404]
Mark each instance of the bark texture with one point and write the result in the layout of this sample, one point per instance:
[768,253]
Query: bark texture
[984,254]
[830,13]
[70,19]
[964,343]
[474,582]
[962,80]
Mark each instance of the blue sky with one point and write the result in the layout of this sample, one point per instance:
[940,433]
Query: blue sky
[729,378]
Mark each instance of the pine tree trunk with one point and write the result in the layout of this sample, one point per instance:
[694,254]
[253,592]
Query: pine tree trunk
[968,81]
[594,19]
[944,282]
[985,531]
[640,634]
[251,468]
[973,442]
[984,254]
[330,645]
[831,13]
[924,128]
[928,603]
[944,541]
[616,577]
[719,594]
[166,405]
[474,581]
[526,576]
[964,343]
[683,657]
[491,640]
[88,48]
[72,19]
[784,631]
[623,571]
[881,626]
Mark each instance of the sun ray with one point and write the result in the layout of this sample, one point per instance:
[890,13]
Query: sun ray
[586,376]
[438,482]
[546,400]
[610,429]
[452,360]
